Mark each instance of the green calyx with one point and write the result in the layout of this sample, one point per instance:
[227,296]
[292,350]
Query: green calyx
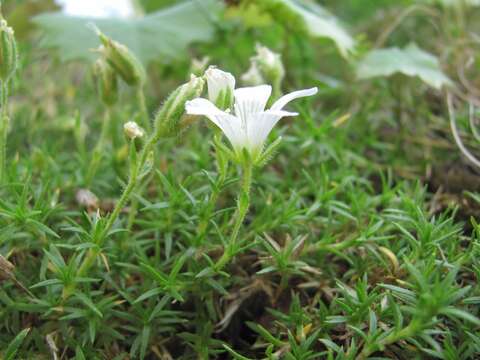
[123,61]
[8,51]
[168,118]
[107,82]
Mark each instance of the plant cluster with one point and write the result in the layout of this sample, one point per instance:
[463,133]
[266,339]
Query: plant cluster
[146,213]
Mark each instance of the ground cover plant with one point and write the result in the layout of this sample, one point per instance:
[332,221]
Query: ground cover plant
[275,179]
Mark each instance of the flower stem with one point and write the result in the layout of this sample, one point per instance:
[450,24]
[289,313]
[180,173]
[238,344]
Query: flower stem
[243,205]
[3,131]
[202,226]
[3,147]
[132,182]
[277,89]
[145,119]
[98,150]
[92,253]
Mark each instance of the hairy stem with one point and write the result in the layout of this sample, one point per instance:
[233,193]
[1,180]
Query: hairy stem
[145,118]
[92,253]
[202,226]
[3,131]
[243,205]
[98,150]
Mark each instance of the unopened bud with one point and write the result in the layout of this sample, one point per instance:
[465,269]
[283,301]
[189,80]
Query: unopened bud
[168,118]
[269,64]
[8,51]
[132,130]
[252,77]
[123,61]
[221,85]
[107,83]
[198,66]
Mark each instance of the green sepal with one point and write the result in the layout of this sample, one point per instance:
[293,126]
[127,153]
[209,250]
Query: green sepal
[123,61]
[268,153]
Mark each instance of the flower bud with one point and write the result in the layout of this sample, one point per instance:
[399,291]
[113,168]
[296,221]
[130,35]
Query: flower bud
[269,64]
[132,130]
[169,116]
[8,51]
[123,61]
[198,66]
[107,83]
[220,87]
[252,77]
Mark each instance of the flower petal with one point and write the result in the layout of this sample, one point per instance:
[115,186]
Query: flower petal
[262,125]
[284,100]
[251,100]
[229,124]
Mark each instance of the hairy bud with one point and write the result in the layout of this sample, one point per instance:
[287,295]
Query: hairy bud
[269,64]
[123,61]
[8,51]
[252,77]
[169,116]
[198,66]
[107,83]
[132,130]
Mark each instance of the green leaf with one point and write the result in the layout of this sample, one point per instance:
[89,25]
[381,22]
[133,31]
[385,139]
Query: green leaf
[461,314]
[321,23]
[410,61]
[235,355]
[163,35]
[148,294]
[47,283]
[88,302]
[144,342]
[79,354]
[42,227]
[451,3]
[15,344]
[265,334]
[159,277]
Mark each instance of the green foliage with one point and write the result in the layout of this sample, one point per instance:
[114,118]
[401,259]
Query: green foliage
[410,61]
[14,346]
[301,16]
[321,23]
[355,236]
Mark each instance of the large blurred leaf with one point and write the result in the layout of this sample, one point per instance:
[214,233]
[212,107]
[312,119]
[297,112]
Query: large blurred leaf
[152,5]
[410,61]
[455,2]
[321,23]
[163,35]
[19,14]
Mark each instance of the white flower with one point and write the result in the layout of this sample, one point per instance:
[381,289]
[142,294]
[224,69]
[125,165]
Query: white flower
[248,127]
[220,87]
[132,130]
